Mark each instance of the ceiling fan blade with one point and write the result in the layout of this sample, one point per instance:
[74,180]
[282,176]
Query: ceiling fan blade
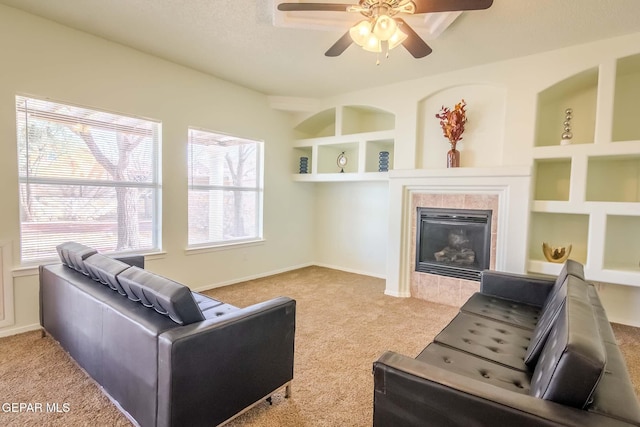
[429,6]
[413,43]
[340,46]
[329,7]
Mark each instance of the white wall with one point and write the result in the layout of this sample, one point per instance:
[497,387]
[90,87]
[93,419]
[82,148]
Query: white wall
[44,59]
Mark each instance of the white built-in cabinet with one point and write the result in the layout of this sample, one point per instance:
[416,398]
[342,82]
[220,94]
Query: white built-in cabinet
[587,193]
[360,132]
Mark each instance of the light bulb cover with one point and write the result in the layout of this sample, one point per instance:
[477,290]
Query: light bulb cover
[384,27]
[360,32]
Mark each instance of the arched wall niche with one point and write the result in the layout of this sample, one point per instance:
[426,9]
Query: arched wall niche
[345,120]
[483,139]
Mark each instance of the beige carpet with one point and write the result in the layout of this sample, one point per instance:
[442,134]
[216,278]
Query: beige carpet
[344,323]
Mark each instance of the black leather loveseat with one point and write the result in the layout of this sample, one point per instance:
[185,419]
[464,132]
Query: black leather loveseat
[524,351]
[164,355]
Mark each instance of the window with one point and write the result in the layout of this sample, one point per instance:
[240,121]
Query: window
[225,189]
[88,176]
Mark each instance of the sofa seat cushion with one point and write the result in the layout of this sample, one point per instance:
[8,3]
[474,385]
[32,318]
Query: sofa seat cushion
[476,368]
[212,308]
[73,254]
[489,339]
[104,270]
[573,358]
[165,296]
[504,310]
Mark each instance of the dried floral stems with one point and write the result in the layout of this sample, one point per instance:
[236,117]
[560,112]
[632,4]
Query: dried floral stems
[453,121]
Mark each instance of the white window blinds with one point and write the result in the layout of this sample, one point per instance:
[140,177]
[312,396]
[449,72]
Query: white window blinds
[225,189]
[88,176]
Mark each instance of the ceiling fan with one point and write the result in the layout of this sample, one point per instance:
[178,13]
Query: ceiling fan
[383,28]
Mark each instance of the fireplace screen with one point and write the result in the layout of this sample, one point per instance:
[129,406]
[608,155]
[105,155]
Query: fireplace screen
[453,242]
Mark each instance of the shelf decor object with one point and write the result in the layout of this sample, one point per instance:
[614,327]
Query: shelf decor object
[556,254]
[341,161]
[304,165]
[567,135]
[383,161]
[452,123]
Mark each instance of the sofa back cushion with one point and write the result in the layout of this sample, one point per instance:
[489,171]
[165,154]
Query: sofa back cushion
[548,315]
[105,269]
[73,254]
[573,358]
[165,296]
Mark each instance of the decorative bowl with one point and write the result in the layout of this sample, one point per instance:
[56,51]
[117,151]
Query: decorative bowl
[556,254]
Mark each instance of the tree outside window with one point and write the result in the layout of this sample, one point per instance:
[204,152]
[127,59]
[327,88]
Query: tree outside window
[86,175]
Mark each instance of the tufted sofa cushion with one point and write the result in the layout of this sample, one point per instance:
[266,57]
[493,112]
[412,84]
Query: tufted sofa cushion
[73,254]
[516,313]
[573,358]
[105,269]
[165,296]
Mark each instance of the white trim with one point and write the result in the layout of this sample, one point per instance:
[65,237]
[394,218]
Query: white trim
[6,284]
[350,270]
[20,330]
[194,250]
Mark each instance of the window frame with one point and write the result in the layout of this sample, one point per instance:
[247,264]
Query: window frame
[154,184]
[257,189]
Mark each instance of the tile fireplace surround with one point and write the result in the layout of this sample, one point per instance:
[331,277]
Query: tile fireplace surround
[504,190]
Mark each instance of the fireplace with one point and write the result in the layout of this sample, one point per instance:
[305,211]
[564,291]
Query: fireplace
[453,242]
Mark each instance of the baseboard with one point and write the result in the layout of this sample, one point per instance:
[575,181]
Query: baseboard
[350,270]
[252,277]
[398,294]
[20,330]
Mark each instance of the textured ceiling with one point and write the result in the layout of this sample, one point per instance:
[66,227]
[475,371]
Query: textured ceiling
[237,41]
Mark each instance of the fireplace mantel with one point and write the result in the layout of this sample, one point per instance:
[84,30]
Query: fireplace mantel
[512,185]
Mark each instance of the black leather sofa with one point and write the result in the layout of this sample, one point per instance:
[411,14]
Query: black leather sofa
[164,355]
[524,351]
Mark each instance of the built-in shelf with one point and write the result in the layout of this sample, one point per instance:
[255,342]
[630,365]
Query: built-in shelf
[626,109]
[552,178]
[613,178]
[559,229]
[587,193]
[359,132]
[620,251]
[578,92]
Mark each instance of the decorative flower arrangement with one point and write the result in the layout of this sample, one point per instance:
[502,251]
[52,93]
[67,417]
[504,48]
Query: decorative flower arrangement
[452,122]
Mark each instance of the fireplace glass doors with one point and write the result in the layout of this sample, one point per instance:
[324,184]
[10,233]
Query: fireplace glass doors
[453,242]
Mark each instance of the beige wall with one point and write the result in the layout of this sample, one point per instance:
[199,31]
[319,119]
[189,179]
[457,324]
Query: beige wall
[44,59]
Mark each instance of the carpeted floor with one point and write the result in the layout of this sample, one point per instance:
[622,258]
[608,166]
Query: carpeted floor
[344,323]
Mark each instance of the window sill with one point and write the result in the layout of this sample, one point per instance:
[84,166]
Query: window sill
[195,250]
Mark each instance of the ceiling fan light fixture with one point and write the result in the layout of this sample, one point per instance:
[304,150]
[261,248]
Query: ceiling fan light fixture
[373,44]
[384,27]
[397,38]
[360,32]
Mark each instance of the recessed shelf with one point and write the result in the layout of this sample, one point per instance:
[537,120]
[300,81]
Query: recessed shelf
[625,108]
[620,251]
[374,148]
[578,92]
[559,229]
[613,179]
[319,125]
[300,152]
[358,119]
[552,179]
[328,157]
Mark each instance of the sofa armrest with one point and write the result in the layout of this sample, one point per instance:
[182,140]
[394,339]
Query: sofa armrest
[211,370]
[409,392]
[523,288]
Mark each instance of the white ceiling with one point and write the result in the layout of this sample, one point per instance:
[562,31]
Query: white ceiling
[237,41]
